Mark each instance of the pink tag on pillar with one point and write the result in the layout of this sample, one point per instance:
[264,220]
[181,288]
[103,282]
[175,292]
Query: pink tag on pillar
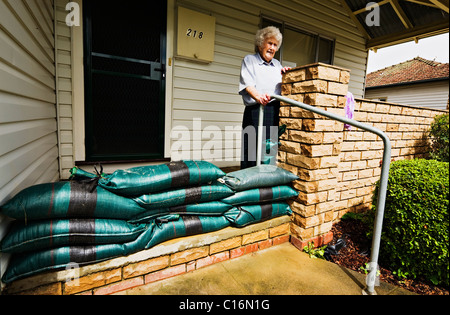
[349,109]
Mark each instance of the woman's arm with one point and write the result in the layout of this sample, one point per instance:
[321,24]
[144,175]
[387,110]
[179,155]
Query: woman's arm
[262,99]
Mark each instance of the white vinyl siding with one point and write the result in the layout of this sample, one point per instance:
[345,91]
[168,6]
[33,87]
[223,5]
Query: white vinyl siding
[64,87]
[432,95]
[28,127]
[209,91]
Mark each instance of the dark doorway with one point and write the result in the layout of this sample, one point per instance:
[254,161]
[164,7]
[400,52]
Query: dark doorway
[125,52]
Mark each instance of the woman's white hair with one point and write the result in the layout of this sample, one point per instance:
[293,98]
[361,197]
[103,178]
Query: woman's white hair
[266,33]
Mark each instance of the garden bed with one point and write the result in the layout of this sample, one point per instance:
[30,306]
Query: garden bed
[355,255]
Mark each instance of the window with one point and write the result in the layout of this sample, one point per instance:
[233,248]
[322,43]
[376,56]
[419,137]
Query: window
[301,47]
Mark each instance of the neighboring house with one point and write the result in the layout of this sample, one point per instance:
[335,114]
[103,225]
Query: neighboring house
[83,82]
[416,82]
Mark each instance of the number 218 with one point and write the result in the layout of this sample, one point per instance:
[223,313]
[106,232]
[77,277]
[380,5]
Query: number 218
[194,33]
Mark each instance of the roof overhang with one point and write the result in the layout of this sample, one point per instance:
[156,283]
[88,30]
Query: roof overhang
[406,83]
[390,22]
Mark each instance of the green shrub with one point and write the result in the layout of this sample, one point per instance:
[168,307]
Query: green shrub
[415,236]
[439,138]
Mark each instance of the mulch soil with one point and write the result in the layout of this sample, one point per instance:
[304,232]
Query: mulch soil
[356,254]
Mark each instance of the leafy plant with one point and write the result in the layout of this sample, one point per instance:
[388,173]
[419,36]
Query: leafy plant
[416,226]
[366,269]
[315,252]
[439,137]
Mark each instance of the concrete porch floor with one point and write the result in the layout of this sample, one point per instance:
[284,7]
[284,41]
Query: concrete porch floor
[279,270]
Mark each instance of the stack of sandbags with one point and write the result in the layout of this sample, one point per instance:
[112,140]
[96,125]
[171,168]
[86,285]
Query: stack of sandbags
[51,245]
[28,261]
[124,195]
[99,217]
[186,188]
[261,193]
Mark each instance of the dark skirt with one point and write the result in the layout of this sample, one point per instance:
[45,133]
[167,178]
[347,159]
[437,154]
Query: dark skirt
[250,131]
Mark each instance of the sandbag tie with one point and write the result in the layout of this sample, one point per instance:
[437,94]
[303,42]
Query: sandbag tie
[245,211]
[90,182]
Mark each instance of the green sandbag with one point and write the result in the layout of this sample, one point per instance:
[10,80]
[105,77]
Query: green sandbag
[214,208]
[151,179]
[261,195]
[41,235]
[185,196]
[66,200]
[29,264]
[78,173]
[251,214]
[161,230]
[258,177]
[186,226]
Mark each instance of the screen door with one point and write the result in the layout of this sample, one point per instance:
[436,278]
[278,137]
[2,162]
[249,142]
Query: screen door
[125,44]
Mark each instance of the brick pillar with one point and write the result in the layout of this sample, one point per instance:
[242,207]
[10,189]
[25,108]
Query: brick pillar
[311,147]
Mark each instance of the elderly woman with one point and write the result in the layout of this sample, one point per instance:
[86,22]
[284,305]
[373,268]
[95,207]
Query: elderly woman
[261,76]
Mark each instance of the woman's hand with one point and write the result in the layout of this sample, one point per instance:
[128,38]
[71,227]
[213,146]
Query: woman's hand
[264,99]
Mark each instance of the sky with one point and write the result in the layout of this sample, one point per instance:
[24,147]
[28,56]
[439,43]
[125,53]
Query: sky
[432,48]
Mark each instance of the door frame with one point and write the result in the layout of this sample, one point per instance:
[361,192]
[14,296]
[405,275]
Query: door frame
[78,91]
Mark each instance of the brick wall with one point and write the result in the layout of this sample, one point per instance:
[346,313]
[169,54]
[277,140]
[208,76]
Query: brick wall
[362,152]
[338,169]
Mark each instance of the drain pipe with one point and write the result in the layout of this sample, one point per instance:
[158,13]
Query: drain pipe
[381,203]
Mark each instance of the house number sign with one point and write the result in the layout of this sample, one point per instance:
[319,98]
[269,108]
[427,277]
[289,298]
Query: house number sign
[196,35]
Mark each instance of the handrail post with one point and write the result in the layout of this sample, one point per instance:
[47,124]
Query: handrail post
[381,202]
[260,144]
[378,226]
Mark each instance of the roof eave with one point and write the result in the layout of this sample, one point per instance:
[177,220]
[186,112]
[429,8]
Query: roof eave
[413,34]
[407,83]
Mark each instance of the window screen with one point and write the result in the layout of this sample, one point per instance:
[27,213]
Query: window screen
[301,47]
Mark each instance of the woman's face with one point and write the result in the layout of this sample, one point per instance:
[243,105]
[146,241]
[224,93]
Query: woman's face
[269,49]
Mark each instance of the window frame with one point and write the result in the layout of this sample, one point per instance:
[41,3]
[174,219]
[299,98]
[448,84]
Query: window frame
[286,25]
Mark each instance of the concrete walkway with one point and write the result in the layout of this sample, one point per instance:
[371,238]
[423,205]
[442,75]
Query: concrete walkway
[279,270]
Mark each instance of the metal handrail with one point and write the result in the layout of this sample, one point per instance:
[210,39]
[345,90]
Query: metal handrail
[381,202]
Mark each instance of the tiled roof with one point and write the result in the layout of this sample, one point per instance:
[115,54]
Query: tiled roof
[417,69]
